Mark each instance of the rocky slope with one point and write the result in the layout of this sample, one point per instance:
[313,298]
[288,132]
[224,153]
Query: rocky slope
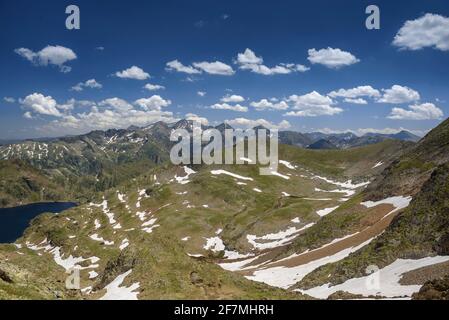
[225,232]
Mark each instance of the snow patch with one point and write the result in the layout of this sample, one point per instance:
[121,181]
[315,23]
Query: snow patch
[114,290]
[384,282]
[219,172]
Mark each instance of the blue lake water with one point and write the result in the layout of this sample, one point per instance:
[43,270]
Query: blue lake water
[14,221]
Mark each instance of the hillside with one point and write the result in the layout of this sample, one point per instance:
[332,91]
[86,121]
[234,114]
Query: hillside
[21,183]
[225,232]
[172,225]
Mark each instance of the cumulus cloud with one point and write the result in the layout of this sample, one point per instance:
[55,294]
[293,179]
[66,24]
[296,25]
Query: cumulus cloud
[248,123]
[201,93]
[110,113]
[226,106]
[399,94]
[103,119]
[358,92]
[312,104]
[28,115]
[41,104]
[9,99]
[249,61]
[332,58]
[50,55]
[215,68]
[133,72]
[431,30]
[194,117]
[116,103]
[91,83]
[155,102]
[265,104]
[175,65]
[425,111]
[153,87]
[356,101]
[232,99]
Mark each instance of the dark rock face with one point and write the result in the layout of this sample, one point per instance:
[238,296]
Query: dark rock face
[442,247]
[5,277]
[434,290]
[115,267]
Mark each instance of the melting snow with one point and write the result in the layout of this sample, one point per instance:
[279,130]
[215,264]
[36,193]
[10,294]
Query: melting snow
[96,237]
[257,190]
[326,211]
[114,291]
[398,202]
[347,185]
[185,179]
[284,277]
[275,173]
[218,172]
[378,165]
[125,243]
[287,164]
[384,282]
[275,239]
[349,192]
[121,197]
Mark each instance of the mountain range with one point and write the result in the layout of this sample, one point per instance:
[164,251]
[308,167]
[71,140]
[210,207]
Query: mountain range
[331,217]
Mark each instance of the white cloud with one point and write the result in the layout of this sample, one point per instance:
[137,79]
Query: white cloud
[194,117]
[50,55]
[72,103]
[356,101]
[399,94]
[175,65]
[155,102]
[249,61]
[41,104]
[232,99]
[201,93]
[431,30]
[133,72]
[360,91]
[28,115]
[266,104]
[216,68]
[116,103]
[153,87]
[108,114]
[105,119]
[312,104]
[9,99]
[226,106]
[332,58]
[91,83]
[248,123]
[425,111]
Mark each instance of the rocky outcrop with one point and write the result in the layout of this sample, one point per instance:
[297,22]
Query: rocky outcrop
[434,290]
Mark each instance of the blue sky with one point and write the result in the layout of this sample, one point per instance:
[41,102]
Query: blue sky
[301,53]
